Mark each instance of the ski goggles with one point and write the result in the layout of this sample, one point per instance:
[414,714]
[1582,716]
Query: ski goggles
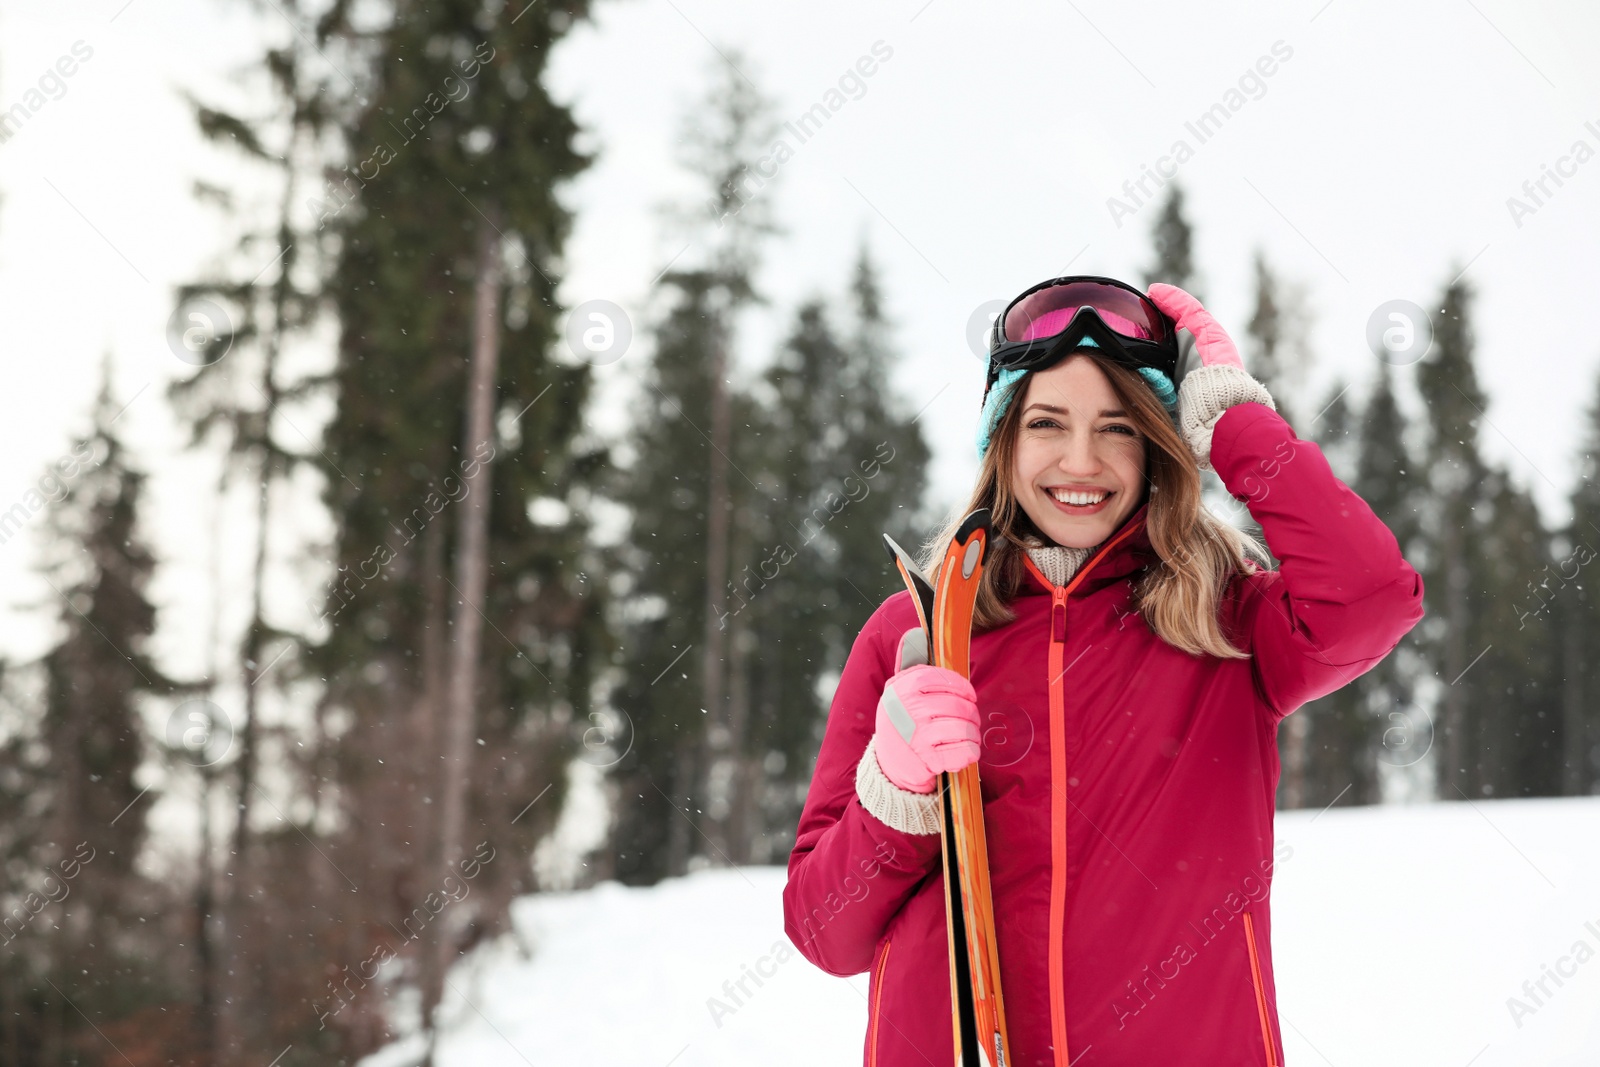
[1056,317]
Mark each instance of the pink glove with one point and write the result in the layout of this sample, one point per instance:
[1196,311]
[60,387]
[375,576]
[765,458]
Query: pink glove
[1218,383]
[1216,348]
[927,721]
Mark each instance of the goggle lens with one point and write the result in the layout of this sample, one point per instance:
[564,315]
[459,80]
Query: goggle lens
[1046,312]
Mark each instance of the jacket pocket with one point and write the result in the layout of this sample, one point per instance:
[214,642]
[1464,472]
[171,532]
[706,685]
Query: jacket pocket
[1260,987]
[875,1009]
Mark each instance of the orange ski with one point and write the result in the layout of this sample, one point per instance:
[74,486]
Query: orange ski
[945,608]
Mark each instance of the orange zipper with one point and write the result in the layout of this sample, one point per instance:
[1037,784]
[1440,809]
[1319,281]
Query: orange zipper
[1058,825]
[1058,792]
[877,1000]
[1261,993]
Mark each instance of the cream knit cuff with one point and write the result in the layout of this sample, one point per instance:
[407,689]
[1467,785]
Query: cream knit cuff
[900,809]
[1205,394]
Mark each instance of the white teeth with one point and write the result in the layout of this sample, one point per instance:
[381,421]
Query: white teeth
[1078,496]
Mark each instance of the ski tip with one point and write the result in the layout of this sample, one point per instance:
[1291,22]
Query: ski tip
[978,520]
[903,558]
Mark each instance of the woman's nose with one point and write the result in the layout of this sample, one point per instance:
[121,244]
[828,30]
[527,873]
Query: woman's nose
[1079,455]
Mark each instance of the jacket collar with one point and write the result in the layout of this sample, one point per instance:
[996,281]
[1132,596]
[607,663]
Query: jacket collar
[1125,552]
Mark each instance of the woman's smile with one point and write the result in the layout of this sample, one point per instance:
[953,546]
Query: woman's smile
[1079,500]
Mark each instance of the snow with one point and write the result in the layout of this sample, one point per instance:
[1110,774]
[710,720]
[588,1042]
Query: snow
[1400,934]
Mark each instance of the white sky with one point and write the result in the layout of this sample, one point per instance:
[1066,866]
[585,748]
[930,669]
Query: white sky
[979,160]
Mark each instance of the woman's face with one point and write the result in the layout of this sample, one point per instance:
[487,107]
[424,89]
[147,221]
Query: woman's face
[1080,462]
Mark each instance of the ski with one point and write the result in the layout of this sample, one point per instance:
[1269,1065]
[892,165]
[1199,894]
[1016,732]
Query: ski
[945,608]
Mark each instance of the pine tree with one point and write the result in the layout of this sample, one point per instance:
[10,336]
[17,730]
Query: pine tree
[1388,479]
[1172,238]
[1271,331]
[1337,430]
[677,789]
[456,158]
[1266,358]
[1334,761]
[665,488]
[241,394]
[87,746]
[1277,348]
[1172,241]
[1516,686]
[1491,641]
[1578,620]
[1448,384]
[874,417]
[1370,720]
[1385,475]
[723,148]
[845,467]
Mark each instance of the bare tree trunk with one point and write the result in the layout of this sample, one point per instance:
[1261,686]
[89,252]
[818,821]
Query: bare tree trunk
[716,739]
[203,905]
[209,1024]
[237,947]
[471,567]
[428,733]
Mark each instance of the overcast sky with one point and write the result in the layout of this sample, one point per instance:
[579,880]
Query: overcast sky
[1373,163]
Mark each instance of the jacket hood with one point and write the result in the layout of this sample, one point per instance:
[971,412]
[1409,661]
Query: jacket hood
[1124,553]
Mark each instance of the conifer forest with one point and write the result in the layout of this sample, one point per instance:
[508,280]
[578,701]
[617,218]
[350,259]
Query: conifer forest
[390,556]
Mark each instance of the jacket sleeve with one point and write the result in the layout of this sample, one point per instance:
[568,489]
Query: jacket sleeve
[849,873]
[1342,596]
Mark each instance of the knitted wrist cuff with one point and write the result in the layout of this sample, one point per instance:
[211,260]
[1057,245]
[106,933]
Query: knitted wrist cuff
[899,809]
[1205,394]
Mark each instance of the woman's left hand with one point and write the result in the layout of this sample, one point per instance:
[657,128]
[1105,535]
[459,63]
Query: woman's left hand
[1218,383]
[1216,348]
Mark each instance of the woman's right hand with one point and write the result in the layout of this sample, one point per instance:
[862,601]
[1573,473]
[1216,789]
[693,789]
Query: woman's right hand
[927,721]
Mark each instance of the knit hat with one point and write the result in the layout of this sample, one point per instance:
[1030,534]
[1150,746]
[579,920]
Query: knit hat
[1008,383]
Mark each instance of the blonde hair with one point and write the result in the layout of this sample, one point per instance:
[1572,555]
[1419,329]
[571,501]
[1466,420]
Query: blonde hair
[1198,552]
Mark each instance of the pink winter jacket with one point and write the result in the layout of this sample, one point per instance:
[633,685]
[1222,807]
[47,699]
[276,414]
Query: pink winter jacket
[1128,791]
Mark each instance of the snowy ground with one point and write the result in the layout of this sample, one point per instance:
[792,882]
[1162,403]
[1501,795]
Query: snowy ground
[1400,935]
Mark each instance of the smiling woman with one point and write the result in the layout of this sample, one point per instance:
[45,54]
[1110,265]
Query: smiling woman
[1144,800]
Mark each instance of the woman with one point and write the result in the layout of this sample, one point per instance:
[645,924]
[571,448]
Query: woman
[1130,667]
